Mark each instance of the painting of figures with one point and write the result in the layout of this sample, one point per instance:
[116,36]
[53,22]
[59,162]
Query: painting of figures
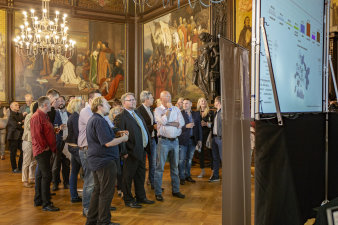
[243,23]
[3,34]
[170,46]
[97,63]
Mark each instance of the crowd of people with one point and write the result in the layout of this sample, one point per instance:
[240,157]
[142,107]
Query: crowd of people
[111,144]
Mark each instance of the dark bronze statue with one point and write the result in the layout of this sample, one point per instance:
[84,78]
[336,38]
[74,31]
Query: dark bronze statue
[206,67]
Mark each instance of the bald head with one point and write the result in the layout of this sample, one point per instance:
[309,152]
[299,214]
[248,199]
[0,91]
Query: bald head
[165,97]
[28,99]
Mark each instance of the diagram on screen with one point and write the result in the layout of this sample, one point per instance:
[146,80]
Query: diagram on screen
[301,77]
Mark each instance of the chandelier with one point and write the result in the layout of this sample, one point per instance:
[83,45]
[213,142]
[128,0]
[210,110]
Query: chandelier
[45,36]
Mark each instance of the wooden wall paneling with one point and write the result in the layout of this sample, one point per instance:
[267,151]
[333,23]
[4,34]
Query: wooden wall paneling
[3,3]
[231,20]
[112,6]
[131,56]
[10,58]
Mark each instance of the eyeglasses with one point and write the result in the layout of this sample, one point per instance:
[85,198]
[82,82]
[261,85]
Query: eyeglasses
[130,100]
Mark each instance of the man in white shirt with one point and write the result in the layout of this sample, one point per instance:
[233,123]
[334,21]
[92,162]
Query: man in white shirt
[169,126]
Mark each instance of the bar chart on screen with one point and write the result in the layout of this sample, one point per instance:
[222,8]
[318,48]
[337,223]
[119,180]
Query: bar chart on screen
[295,37]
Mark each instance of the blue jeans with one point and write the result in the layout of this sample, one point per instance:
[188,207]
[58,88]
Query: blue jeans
[186,155]
[152,160]
[88,181]
[76,165]
[166,148]
[216,154]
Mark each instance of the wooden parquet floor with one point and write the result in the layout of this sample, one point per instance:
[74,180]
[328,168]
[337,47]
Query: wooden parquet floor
[202,205]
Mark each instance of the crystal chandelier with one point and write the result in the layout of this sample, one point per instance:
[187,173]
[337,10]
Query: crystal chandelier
[44,36]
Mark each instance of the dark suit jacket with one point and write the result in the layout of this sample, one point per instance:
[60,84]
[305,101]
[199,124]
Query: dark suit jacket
[14,128]
[197,129]
[59,137]
[141,109]
[134,146]
[219,123]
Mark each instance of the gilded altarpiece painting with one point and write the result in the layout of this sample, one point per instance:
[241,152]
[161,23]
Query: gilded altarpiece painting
[170,46]
[98,63]
[3,54]
[243,22]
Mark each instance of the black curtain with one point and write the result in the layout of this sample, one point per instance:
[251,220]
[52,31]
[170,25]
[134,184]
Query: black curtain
[290,169]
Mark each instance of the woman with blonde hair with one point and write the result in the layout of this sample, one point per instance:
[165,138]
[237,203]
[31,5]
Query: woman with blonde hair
[74,108]
[158,102]
[207,119]
[114,112]
[29,162]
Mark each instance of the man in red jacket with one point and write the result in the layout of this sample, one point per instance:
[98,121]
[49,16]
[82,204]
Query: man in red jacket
[43,143]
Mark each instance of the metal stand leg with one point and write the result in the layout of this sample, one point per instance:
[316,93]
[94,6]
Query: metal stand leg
[272,77]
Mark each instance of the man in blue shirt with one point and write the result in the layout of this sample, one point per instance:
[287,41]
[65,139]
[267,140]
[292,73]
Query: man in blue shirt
[102,153]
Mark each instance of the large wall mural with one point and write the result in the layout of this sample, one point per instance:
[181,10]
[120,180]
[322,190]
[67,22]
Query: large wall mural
[170,45]
[98,63]
[3,55]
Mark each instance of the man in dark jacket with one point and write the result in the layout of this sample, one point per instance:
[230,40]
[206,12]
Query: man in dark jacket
[133,151]
[217,140]
[190,138]
[146,112]
[15,131]
[61,118]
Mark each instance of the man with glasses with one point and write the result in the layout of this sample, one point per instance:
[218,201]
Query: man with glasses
[133,152]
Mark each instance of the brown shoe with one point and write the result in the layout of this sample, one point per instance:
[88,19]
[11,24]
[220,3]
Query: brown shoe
[3,157]
[27,185]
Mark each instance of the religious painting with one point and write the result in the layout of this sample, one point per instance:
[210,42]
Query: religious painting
[98,62]
[243,23]
[170,46]
[3,54]
[334,16]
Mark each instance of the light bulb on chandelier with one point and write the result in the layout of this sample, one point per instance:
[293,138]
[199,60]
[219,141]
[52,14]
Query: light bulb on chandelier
[44,36]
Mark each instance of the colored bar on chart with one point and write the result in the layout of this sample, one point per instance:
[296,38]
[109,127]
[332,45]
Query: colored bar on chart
[302,28]
[297,28]
[308,29]
[313,37]
[318,37]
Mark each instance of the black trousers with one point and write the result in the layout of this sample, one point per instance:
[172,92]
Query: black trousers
[102,195]
[61,160]
[14,145]
[133,170]
[43,178]
[204,149]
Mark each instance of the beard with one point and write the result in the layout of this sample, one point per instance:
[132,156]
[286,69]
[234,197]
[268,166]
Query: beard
[62,106]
